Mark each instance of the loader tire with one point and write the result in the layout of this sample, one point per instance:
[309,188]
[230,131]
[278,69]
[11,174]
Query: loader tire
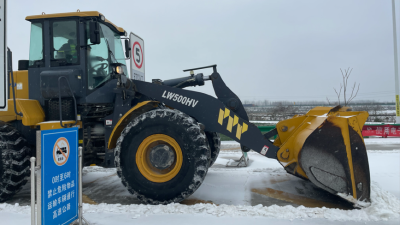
[215,145]
[14,161]
[171,134]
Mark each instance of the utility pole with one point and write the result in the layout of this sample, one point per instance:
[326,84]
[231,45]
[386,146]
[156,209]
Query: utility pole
[396,68]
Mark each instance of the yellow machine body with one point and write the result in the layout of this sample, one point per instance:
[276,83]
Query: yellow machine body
[75,14]
[31,109]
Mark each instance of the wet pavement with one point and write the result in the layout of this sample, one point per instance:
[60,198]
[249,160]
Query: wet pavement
[264,182]
[237,186]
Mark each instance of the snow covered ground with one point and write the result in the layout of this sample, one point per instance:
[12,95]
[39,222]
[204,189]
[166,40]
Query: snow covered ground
[259,194]
[276,121]
[382,141]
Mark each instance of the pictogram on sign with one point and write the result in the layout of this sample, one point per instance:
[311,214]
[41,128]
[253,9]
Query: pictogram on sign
[137,54]
[61,151]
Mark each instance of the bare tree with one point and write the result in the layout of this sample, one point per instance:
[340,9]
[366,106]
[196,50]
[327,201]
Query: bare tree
[327,99]
[343,86]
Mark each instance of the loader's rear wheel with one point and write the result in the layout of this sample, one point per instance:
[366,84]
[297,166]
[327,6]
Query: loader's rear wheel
[162,156]
[215,145]
[14,161]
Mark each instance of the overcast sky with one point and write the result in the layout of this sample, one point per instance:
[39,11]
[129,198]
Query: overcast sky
[289,50]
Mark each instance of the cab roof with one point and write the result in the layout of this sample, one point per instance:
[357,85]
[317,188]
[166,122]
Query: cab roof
[76,14]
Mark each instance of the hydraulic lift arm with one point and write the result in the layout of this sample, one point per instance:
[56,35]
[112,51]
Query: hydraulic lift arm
[225,115]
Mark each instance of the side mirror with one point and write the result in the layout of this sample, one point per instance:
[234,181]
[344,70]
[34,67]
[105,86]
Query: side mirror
[127,48]
[94,32]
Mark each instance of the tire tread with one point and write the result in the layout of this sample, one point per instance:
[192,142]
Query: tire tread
[15,155]
[198,142]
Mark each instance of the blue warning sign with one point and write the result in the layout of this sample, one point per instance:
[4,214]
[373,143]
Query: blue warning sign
[59,176]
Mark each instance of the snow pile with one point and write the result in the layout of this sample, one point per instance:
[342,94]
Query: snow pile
[16,208]
[356,203]
[233,145]
[382,141]
[91,169]
[384,206]
[263,121]
[271,171]
[383,151]
[229,145]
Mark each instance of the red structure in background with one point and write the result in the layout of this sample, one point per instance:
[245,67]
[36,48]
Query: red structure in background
[384,130]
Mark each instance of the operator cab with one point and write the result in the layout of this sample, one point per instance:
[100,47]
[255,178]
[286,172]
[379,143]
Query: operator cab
[105,58]
[83,47]
[77,72]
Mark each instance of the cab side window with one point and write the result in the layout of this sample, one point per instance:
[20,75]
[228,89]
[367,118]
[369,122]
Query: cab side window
[97,61]
[65,48]
[36,46]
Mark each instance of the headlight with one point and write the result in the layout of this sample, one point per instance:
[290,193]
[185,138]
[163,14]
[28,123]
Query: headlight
[119,70]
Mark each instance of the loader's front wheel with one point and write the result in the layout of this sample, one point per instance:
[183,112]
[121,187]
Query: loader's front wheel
[14,161]
[159,158]
[215,145]
[162,156]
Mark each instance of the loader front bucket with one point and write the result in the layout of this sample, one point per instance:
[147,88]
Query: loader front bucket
[326,147]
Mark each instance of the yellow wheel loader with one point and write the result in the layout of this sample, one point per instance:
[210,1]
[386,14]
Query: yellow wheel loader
[161,138]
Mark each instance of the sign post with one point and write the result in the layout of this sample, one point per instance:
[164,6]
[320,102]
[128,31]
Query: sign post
[33,160]
[58,182]
[3,56]
[137,57]
[80,187]
[396,68]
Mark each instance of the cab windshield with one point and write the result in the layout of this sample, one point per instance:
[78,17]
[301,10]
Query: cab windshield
[101,56]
